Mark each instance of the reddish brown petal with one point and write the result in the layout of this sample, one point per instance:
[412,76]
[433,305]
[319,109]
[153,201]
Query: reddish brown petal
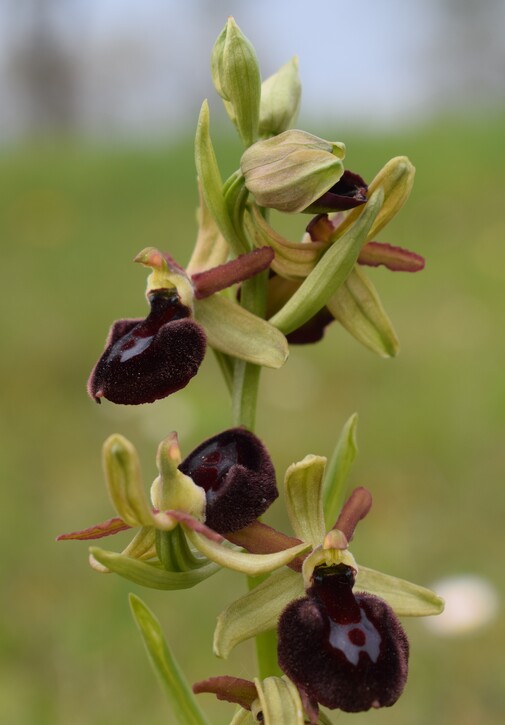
[258,538]
[98,531]
[355,508]
[232,689]
[397,259]
[196,525]
[237,270]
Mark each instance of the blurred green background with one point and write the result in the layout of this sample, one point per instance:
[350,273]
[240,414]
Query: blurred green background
[72,216]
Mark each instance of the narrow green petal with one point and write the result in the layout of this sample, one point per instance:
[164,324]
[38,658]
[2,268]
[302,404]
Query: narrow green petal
[211,182]
[234,331]
[253,564]
[178,690]
[357,306]
[257,611]
[303,487]
[405,598]
[329,273]
[124,481]
[149,575]
[280,702]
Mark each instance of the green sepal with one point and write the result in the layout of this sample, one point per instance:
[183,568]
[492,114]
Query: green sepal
[396,179]
[177,689]
[243,561]
[236,77]
[211,248]
[124,481]
[357,306]
[329,273]
[233,330]
[280,99]
[257,611]
[151,575]
[338,468]
[211,182]
[279,701]
[303,486]
[405,598]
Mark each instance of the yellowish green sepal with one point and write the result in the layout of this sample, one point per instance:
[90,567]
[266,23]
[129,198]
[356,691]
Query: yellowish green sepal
[233,330]
[150,575]
[257,611]
[252,564]
[279,701]
[303,493]
[358,308]
[404,597]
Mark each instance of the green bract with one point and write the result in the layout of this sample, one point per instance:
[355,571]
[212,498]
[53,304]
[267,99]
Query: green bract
[280,99]
[290,171]
[236,77]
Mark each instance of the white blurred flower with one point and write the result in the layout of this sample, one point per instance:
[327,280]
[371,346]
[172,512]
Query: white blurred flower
[471,602]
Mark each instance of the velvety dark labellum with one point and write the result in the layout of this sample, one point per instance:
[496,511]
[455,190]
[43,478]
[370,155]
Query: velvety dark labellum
[349,191]
[344,650]
[145,360]
[238,476]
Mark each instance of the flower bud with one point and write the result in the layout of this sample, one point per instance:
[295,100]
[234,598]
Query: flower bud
[236,77]
[292,170]
[280,99]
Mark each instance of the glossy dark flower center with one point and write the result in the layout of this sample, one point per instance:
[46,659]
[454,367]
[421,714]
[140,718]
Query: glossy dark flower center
[166,306]
[213,462]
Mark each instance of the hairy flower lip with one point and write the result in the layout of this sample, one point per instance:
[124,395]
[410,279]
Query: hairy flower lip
[347,193]
[147,359]
[238,476]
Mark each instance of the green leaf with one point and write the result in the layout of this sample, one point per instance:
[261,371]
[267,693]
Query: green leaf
[235,331]
[149,575]
[252,564]
[329,273]
[357,306]
[280,702]
[404,597]
[338,469]
[180,696]
[211,182]
[257,611]
[303,487]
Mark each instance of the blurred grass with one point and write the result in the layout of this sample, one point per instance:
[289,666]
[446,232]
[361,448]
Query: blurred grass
[430,432]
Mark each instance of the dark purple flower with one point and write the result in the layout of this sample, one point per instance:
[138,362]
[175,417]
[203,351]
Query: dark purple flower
[343,650]
[145,360]
[238,477]
[349,191]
